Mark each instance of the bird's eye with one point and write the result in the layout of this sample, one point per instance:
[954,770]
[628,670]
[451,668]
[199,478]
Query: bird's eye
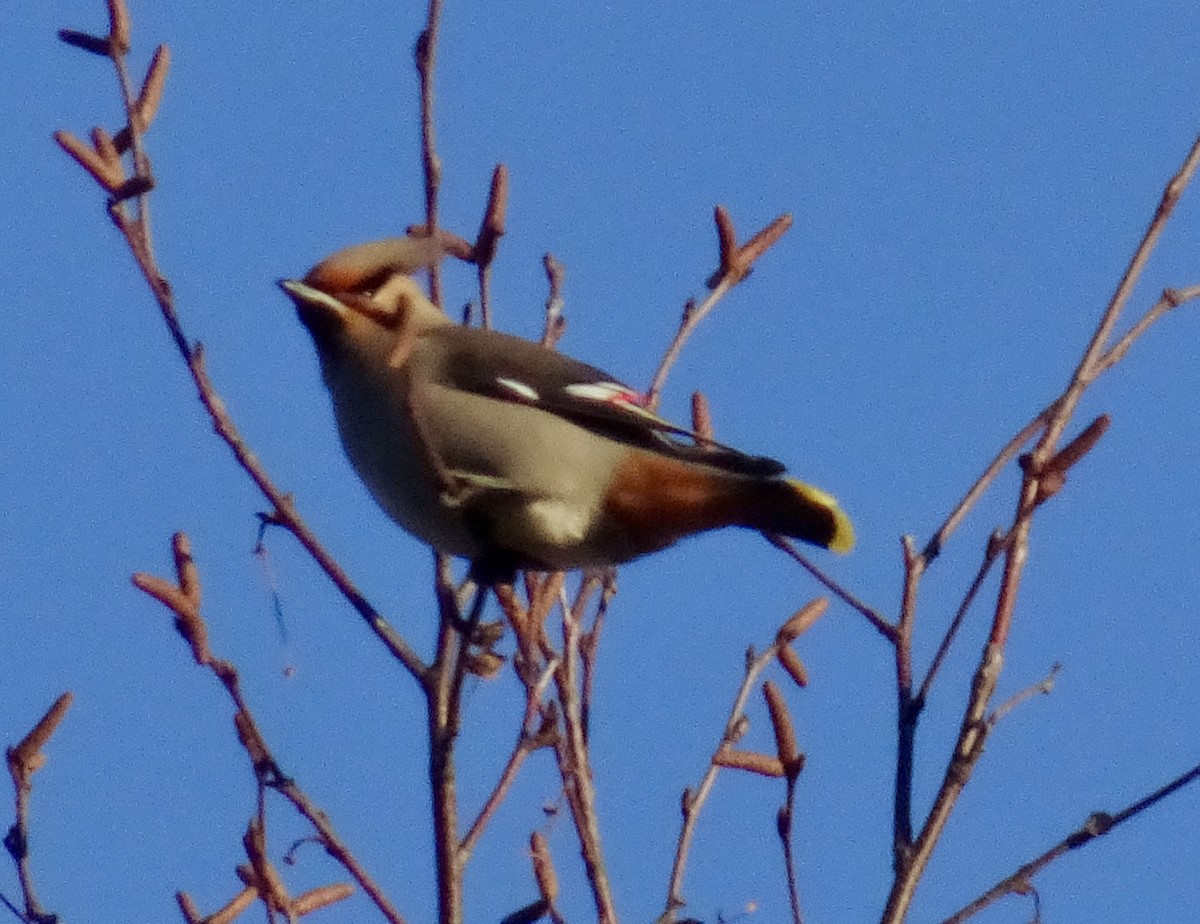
[369,285]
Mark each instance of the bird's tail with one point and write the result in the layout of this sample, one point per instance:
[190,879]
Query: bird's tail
[796,509]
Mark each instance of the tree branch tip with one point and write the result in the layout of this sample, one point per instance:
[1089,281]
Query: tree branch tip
[532,912]
[491,228]
[109,175]
[133,187]
[86,42]
[186,572]
[107,149]
[726,233]
[321,897]
[792,665]
[543,867]
[765,239]
[498,199]
[152,87]
[727,252]
[118,27]
[160,589]
[786,748]
[750,761]
[701,417]
[191,913]
[802,620]
[27,755]
[1079,447]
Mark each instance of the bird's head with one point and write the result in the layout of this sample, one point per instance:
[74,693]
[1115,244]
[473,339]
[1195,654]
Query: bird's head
[364,300]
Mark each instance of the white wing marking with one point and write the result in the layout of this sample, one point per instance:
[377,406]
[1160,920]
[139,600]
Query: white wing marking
[528,392]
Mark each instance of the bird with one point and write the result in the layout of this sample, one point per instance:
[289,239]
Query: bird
[510,454]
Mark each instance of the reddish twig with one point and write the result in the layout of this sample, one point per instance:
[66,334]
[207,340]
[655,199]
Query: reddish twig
[24,759]
[537,731]
[425,54]
[787,756]
[911,859]
[182,597]
[872,615]
[574,760]
[1097,825]
[1043,687]
[555,324]
[135,229]
[735,265]
[490,231]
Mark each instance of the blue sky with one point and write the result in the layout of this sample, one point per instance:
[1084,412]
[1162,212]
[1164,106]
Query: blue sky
[968,182]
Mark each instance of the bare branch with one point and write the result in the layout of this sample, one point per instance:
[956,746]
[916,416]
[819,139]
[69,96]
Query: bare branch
[184,603]
[973,731]
[488,239]
[996,544]
[425,54]
[531,737]
[118,27]
[735,265]
[556,324]
[873,616]
[725,755]
[136,231]
[575,763]
[1043,687]
[153,86]
[24,760]
[1097,825]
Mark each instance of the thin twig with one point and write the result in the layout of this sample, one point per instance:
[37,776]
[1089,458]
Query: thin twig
[575,764]
[787,819]
[490,231]
[872,615]
[182,598]
[24,759]
[693,800]
[555,323]
[589,645]
[974,728]
[529,739]
[426,59]
[1043,687]
[1097,825]
[996,544]
[443,714]
[136,232]
[1171,299]
[1010,451]
[735,265]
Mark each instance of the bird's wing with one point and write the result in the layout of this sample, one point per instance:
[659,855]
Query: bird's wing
[509,369]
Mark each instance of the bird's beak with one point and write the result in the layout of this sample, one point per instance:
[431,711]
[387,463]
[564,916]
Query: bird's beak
[320,312]
[303,294]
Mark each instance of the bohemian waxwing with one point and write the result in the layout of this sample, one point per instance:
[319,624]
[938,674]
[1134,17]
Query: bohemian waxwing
[510,454]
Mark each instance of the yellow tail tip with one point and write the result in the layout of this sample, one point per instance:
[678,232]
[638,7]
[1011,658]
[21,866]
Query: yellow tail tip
[841,539]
